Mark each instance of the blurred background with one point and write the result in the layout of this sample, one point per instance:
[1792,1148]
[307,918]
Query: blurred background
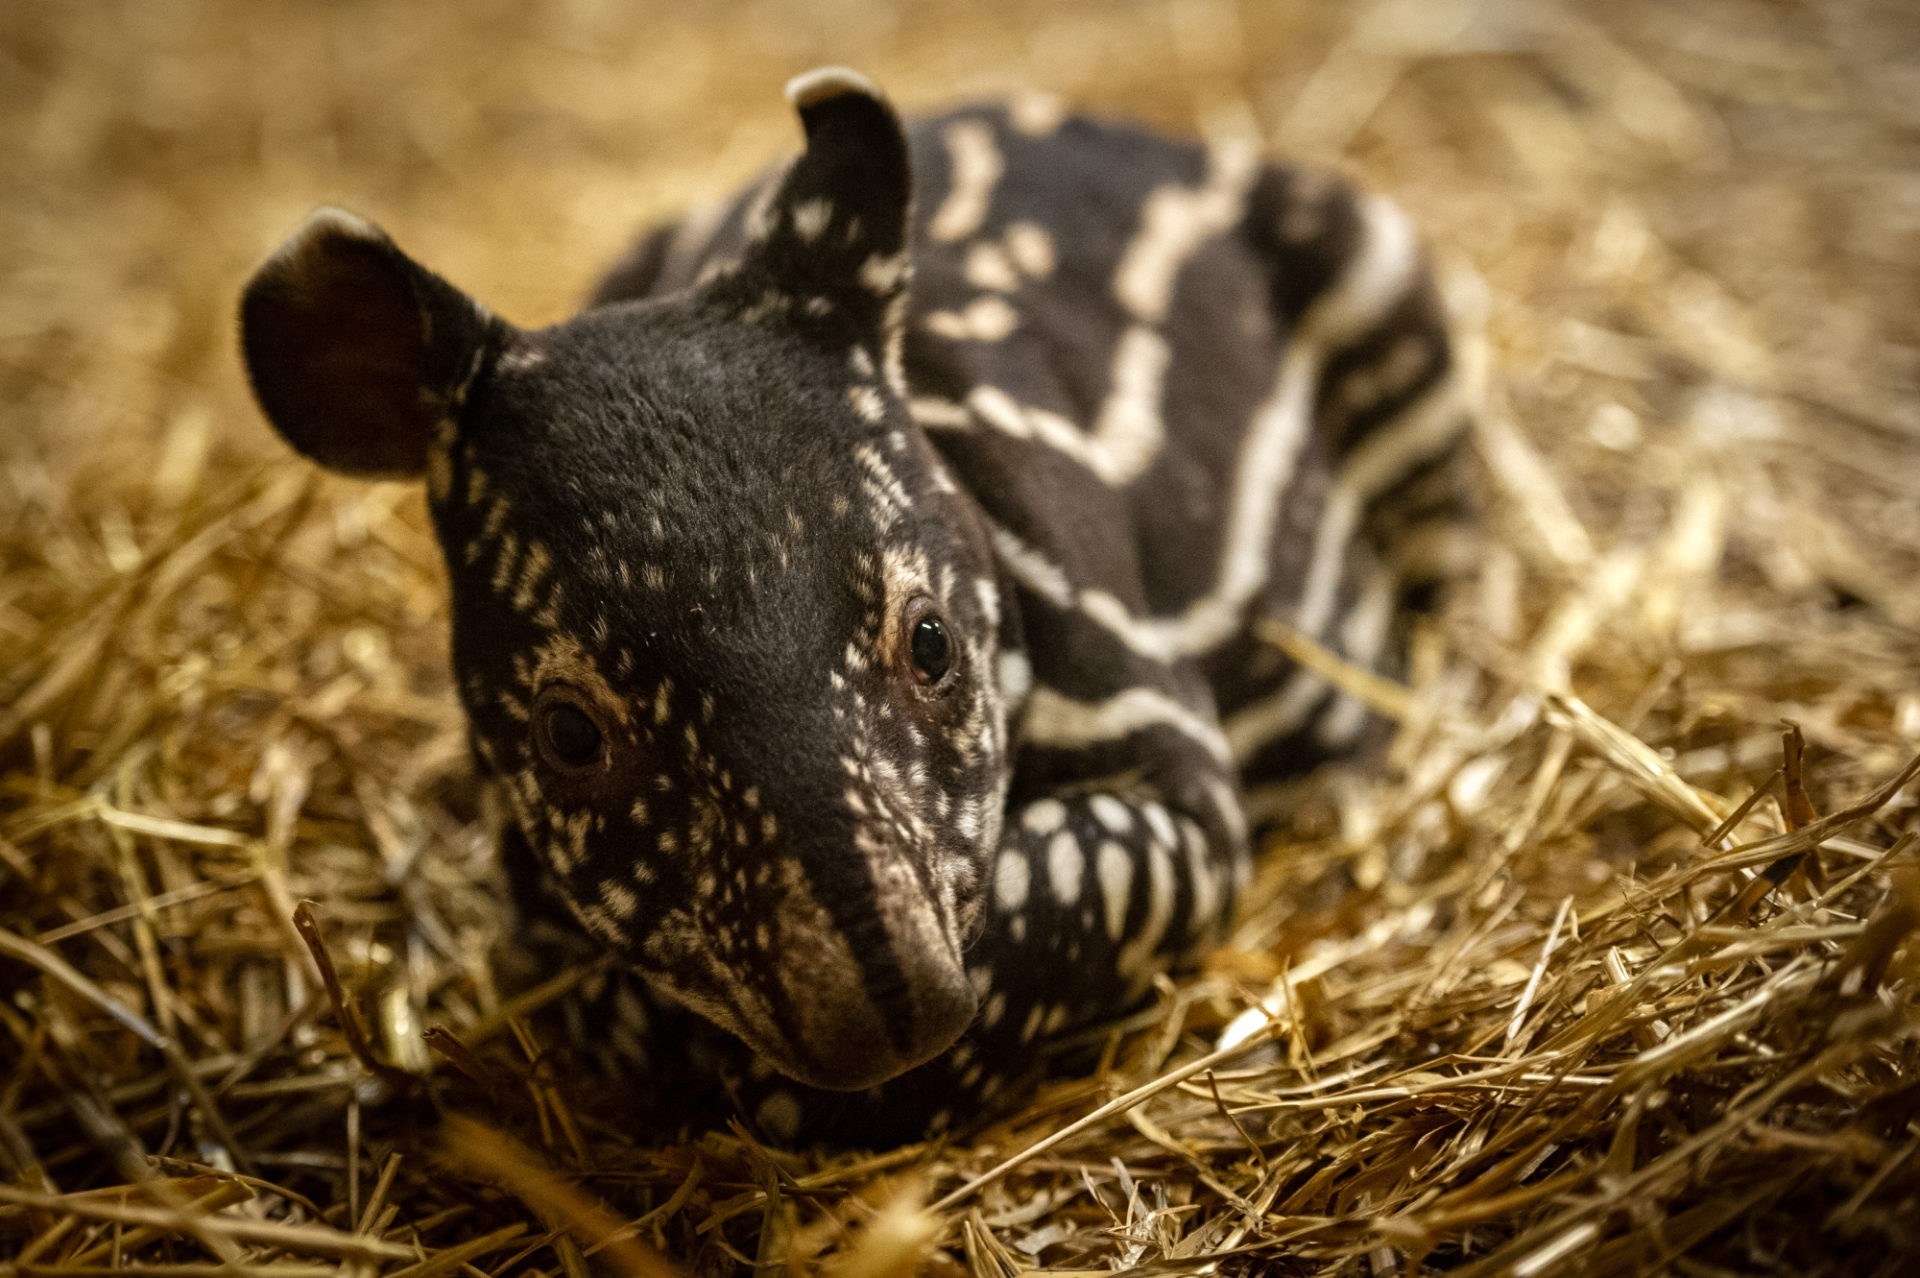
[1733,179]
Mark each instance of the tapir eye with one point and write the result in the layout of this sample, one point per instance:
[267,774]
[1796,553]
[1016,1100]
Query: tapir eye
[931,648]
[566,731]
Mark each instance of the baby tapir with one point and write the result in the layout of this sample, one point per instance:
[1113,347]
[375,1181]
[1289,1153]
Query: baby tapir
[856,606]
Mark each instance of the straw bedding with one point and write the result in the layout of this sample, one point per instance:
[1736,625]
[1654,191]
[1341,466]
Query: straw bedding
[1605,967]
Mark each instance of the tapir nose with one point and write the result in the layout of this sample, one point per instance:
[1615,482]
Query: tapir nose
[918,1008]
[868,978]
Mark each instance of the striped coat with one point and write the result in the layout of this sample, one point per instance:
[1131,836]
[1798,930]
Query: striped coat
[857,606]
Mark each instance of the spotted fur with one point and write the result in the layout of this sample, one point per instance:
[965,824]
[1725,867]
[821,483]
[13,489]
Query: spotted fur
[1097,400]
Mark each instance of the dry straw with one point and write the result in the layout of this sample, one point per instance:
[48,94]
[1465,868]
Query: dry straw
[1605,967]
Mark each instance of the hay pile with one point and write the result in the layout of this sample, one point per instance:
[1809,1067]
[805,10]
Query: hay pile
[1601,972]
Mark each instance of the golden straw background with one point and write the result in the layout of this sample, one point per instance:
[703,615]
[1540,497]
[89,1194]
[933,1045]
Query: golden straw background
[1594,974]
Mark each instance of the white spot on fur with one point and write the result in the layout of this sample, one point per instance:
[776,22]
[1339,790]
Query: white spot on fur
[985,319]
[988,266]
[810,218]
[867,404]
[532,571]
[995,1009]
[1036,114]
[1160,823]
[1066,866]
[976,169]
[619,899]
[1043,816]
[1016,678]
[1115,869]
[520,359]
[1011,878]
[1111,813]
[987,595]
[883,274]
[939,414]
[1031,249]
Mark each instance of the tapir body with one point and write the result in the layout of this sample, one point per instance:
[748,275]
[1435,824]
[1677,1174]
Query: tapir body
[859,607]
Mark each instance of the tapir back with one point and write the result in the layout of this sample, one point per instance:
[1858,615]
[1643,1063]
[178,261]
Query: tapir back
[1192,390]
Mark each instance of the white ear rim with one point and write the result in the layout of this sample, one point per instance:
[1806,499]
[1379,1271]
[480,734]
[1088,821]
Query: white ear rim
[823,84]
[325,223]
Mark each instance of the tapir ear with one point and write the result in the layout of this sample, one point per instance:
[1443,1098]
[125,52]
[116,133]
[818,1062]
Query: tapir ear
[356,352]
[836,227]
